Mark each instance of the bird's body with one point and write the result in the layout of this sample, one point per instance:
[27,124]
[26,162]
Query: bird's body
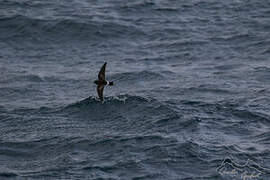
[101,82]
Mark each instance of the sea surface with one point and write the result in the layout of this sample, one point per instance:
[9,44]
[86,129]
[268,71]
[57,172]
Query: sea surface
[191,99]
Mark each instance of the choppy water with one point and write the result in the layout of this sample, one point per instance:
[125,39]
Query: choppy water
[191,96]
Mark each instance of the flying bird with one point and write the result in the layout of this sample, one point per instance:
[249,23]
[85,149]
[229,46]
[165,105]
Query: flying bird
[101,82]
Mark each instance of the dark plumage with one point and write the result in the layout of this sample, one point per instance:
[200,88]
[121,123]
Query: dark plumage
[101,82]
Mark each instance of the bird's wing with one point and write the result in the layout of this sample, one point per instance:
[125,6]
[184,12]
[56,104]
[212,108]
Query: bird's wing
[100,89]
[101,74]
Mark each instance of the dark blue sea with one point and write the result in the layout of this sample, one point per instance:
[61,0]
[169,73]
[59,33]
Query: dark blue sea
[190,101]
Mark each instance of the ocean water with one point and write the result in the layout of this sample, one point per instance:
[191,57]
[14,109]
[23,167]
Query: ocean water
[191,99]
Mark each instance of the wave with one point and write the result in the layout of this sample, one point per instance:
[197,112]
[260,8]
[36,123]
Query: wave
[92,101]
[263,138]
[140,75]
[241,38]
[2,109]
[121,99]
[114,107]
[22,4]
[174,43]
[21,26]
[251,116]
[261,73]
[21,78]
[132,112]
[138,5]
[33,78]
[210,89]
[8,174]
[249,170]
[117,103]
[236,111]
[266,51]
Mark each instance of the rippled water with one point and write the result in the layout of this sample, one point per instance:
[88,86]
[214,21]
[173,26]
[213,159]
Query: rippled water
[190,101]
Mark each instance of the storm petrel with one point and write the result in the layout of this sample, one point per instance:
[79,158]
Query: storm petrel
[101,82]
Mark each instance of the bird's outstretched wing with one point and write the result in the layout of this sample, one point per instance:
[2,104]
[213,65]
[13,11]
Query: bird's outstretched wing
[100,89]
[101,74]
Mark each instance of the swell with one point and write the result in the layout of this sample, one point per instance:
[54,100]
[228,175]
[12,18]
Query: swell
[235,117]
[263,138]
[140,112]
[248,169]
[141,152]
[31,78]
[140,75]
[43,149]
[24,26]
[261,73]
[145,148]
[125,107]
[138,5]
[118,100]
[119,114]
[7,174]
[2,109]
[22,4]
[174,43]
[91,101]
[35,157]
[241,38]
[210,89]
